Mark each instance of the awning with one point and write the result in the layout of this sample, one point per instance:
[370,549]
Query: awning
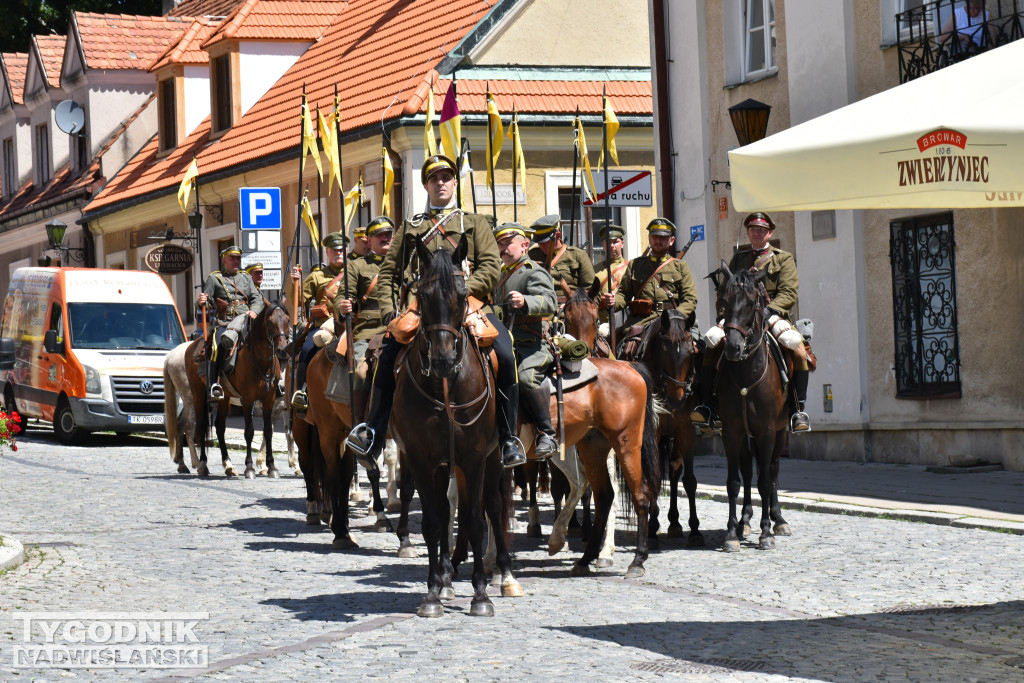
[951,139]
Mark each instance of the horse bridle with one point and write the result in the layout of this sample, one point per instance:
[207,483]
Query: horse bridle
[748,334]
[269,376]
[427,367]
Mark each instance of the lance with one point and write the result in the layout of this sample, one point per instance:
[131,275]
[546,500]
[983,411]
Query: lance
[319,199]
[468,157]
[458,178]
[490,157]
[575,163]
[349,351]
[607,213]
[515,162]
[206,338]
[294,252]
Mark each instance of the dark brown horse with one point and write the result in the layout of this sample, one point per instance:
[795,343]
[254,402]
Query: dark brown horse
[254,380]
[444,419]
[752,406]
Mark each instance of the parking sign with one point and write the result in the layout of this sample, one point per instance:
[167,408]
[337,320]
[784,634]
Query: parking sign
[260,208]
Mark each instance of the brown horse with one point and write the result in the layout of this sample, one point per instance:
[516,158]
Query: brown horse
[444,419]
[254,380]
[752,407]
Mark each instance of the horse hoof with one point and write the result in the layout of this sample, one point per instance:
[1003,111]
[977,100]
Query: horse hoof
[430,609]
[554,547]
[446,593]
[250,473]
[731,545]
[263,472]
[675,530]
[783,530]
[695,540]
[230,472]
[273,474]
[395,506]
[511,589]
[743,531]
[603,562]
[183,468]
[407,552]
[533,531]
[326,518]
[579,570]
[203,471]
[481,608]
[358,497]
[298,472]
[635,572]
[383,525]
[766,543]
[343,543]
[313,519]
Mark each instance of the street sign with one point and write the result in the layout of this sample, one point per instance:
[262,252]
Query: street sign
[261,240]
[271,279]
[269,259]
[168,259]
[629,188]
[697,233]
[259,208]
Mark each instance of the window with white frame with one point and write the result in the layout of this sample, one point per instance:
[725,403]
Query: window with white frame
[9,176]
[41,152]
[759,24]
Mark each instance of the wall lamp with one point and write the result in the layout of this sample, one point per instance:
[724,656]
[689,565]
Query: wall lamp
[55,231]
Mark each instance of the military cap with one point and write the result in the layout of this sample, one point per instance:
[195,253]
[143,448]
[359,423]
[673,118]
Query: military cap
[544,227]
[255,266]
[230,251]
[380,224]
[759,218]
[335,240]
[615,232]
[435,163]
[359,232]
[661,226]
[507,230]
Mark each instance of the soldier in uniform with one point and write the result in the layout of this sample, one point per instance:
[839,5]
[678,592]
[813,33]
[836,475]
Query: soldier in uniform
[362,280]
[256,273]
[235,298]
[360,245]
[656,281]
[318,291]
[618,268]
[525,296]
[782,285]
[569,265]
[439,227]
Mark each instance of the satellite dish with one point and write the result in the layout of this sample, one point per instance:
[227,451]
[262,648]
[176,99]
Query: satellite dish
[70,116]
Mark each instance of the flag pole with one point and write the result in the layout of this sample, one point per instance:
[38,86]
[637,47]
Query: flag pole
[458,178]
[575,163]
[319,200]
[349,350]
[296,246]
[206,339]
[515,162]
[607,212]
[490,156]
[468,157]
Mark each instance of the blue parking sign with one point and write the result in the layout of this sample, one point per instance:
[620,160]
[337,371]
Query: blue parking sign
[259,208]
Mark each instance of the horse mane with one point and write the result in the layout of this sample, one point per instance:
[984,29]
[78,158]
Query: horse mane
[579,297]
[745,281]
[678,329]
[442,269]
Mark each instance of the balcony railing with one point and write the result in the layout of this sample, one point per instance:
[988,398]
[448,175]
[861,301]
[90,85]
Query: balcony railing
[933,35]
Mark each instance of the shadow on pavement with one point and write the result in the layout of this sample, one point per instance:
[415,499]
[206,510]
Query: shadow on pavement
[346,607]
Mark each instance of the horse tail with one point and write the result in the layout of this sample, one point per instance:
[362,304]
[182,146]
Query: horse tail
[649,456]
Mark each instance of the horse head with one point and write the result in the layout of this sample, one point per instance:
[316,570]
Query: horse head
[278,326]
[744,313]
[670,354]
[443,300]
[580,315]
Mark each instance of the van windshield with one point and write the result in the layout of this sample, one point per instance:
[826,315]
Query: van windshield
[124,326]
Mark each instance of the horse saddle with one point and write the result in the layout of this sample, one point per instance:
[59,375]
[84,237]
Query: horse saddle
[337,384]
[573,380]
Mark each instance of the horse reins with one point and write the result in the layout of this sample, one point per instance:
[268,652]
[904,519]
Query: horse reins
[745,391]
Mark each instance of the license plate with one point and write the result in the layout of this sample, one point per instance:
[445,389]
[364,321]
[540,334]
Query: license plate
[146,419]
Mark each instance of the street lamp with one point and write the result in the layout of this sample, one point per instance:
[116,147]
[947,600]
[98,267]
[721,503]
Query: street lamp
[750,121]
[55,231]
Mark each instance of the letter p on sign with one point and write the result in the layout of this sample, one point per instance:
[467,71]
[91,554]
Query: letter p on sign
[260,208]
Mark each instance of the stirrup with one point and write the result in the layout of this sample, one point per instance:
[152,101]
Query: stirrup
[216,391]
[550,446]
[799,423]
[513,460]
[360,440]
[299,400]
[701,416]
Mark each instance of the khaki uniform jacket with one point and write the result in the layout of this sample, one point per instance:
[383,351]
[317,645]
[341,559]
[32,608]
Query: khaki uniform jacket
[238,290]
[315,283]
[537,287]
[574,266]
[672,285]
[618,270]
[401,264]
[361,272]
[782,282]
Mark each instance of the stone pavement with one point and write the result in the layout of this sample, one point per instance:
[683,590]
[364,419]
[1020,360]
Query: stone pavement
[109,527]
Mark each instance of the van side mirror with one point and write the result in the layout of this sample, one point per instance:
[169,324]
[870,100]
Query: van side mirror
[6,353]
[50,343]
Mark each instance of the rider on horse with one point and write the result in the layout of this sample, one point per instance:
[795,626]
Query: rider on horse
[782,285]
[654,282]
[614,234]
[236,298]
[439,228]
[360,243]
[256,273]
[570,267]
[525,296]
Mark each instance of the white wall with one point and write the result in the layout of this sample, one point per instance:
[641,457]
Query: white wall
[261,64]
[197,97]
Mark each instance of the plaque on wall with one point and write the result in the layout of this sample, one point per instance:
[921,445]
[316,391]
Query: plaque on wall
[168,259]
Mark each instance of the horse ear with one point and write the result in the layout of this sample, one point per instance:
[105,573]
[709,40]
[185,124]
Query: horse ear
[459,255]
[666,320]
[691,319]
[760,275]
[595,288]
[422,251]
[725,270]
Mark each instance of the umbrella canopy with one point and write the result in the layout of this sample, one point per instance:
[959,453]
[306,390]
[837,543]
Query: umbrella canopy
[951,139]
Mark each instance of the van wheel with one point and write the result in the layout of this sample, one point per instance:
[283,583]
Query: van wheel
[64,425]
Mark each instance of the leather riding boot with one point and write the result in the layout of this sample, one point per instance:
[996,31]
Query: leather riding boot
[223,351]
[359,399]
[368,438]
[707,411]
[508,417]
[799,422]
[536,401]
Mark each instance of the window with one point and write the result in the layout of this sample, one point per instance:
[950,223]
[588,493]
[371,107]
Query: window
[759,22]
[168,116]
[79,151]
[922,251]
[42,152]
[222,93]
[9,176]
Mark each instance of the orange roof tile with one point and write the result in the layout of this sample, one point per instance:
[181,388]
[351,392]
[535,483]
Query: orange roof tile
[51,50]
[204,8]
[16,64]
[380,53]
[121,41]
[188,49]
[279,20]
[549,96]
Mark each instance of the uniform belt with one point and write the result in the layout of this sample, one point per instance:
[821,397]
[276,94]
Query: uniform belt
[660,306]
[369,306]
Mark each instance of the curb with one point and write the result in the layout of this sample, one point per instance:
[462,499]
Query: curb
[12,553]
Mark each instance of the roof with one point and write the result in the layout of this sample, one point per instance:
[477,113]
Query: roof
[204,8]
[551,96]
[51,51]
[188,48]
[121,41]
[304,20]
[16,64]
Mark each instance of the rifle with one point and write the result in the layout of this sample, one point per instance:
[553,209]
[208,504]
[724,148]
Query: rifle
[559,397]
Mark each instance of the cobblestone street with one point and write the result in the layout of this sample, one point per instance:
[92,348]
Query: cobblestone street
[109,527]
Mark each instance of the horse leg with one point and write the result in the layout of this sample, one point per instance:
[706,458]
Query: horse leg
[383,523]
[221,424]
[604,558]
[696,538]
[560,489]
[250,431]
[309,477]
[734,452]
[268,438]
[339,466]
[577,482]
[391,462]
[356,494]
[499,507]
[406,490]
[593,459]
[433,496]
[531,470]
[481,605]
[781,526]
[767,448]
[746,470]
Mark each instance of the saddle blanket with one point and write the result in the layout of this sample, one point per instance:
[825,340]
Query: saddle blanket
[574,380]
